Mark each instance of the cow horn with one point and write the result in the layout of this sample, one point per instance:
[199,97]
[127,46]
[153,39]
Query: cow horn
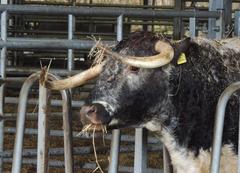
[165,55]
[76,80]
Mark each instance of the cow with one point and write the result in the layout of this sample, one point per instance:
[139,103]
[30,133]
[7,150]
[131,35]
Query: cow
[169,87]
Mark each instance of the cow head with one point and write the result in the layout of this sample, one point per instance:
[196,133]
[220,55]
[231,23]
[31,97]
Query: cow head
[132,87]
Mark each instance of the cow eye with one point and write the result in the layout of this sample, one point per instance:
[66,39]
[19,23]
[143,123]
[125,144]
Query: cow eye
[133,69]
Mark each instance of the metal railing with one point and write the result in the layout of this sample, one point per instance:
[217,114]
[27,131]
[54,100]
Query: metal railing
[42,165]
[218,127]
[105,11]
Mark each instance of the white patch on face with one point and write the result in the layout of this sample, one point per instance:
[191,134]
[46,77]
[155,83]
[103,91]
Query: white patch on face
[153,126]
[109,108]
[135,81]
[185,161]
[115,121]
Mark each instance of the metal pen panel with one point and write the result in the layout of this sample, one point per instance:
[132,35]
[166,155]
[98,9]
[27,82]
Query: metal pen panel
[218,126]
[43,130]
[18,144]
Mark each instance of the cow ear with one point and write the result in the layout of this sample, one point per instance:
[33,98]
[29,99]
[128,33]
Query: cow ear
[181,46]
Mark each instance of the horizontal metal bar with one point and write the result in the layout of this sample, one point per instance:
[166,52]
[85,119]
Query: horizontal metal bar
[104,11]
[21,43]
[92,166]
[12,80]
[99,4]
[28,70]
[59,133]
[15,100]
[30,116]
[52,152]
[77,151]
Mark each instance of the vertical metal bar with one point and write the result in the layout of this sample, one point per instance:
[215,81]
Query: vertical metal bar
[67,128]
[212,21]
[218,126]
[237,23]
[114,153]
[220,23]
[66,96]
[140,151]
[216,27]
[145,27]
[177,21]
[227,12]
[116,135]
[238,170]
[43,130]
[167,167]
[120,28]
[3,57]
[192,27]
[22,107]
[71,30]
[67,131]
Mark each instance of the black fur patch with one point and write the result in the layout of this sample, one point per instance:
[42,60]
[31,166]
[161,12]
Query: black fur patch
[200,82]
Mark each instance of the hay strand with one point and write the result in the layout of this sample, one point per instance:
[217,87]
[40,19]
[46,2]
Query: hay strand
[95,153]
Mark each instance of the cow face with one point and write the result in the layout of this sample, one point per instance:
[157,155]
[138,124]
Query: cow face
[126,95]
[132,88]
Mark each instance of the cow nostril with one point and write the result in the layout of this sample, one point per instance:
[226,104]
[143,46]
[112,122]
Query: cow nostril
[91,110]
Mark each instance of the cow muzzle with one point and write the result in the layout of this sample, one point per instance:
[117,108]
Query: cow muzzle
[94,114]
